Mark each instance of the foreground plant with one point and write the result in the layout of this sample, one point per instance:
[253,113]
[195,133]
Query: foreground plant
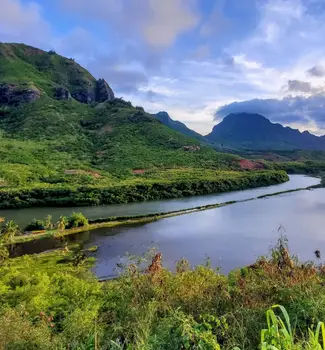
[279,334]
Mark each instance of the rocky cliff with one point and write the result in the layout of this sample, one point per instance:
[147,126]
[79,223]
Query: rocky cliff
[27,73]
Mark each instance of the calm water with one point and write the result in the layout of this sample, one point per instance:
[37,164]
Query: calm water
[230,236]
[25,216]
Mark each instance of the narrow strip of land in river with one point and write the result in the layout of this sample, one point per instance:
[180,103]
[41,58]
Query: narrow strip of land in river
[134,220]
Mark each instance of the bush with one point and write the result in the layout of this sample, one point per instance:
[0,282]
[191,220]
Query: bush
[9,230]
[76,220]
[35,225]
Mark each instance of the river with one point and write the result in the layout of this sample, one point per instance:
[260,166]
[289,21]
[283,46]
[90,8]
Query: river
[25,215]
[231,236]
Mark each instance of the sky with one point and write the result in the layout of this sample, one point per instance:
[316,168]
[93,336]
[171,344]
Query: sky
[199,60]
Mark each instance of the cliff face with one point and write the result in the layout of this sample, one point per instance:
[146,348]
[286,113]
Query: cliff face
[27,73]
[14,95]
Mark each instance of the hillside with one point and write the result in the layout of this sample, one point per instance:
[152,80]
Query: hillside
[60,128]
[164,118]
[253,131]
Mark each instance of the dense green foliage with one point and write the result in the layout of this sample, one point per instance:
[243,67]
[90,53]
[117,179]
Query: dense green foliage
[76,220]
[66,152]
[279,334]
[177,185]
[51,301]
[65,222]
[25,65]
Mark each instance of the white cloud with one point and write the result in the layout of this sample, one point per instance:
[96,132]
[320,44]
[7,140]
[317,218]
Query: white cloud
[241,59]
[157,22]
[168,19]
[22,23]
[299,111]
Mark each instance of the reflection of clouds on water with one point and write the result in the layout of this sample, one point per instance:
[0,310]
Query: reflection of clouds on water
[25,216]
[232,236]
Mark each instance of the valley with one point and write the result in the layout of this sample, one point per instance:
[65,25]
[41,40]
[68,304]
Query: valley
[122,229]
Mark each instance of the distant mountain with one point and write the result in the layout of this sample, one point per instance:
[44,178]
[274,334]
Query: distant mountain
[59,126]
[164,118]
[253,131]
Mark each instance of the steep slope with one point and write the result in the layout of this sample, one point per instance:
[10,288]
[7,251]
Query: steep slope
[164,118]
[109,135]
[63,134]
[253,131]
[24,68]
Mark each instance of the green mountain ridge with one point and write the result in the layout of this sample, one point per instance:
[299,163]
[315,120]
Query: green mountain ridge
[60,129]
[176,125]
[253,131]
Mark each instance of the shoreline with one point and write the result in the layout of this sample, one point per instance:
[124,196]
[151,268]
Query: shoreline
[137,219]
[224,181]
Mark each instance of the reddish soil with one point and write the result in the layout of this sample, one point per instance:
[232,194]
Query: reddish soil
[138,171]
[81,172]
[246,164]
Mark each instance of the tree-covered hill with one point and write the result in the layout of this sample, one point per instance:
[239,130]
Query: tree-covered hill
[60,127]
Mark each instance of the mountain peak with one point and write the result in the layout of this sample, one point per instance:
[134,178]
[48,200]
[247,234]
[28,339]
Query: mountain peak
[31,71]
[254,131]
[246,118]
[164,118]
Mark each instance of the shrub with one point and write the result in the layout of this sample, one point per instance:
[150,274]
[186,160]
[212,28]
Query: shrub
[9,230]
[35,225]
[62,223]
[77,220]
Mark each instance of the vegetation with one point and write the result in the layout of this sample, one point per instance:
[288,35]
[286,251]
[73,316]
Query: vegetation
[52,301]
[279,334]
[76,220]
[66,152]
[65,222]
[172,184]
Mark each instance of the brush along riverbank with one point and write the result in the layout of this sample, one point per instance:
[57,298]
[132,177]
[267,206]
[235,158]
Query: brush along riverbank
[89,225]
[52,301]
[172,184]
[109,222]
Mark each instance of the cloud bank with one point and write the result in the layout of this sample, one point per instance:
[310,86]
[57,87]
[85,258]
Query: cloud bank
[189,57]
[297,110]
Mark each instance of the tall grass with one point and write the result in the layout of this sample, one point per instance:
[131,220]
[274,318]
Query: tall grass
[279,334]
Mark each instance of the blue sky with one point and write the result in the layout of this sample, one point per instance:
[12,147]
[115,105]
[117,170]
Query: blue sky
[196,59]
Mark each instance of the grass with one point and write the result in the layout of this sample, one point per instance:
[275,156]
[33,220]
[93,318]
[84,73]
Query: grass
[279,334]
[52,301]
[66,152]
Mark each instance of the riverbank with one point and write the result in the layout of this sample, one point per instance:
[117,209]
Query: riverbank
[175,184]
[110,222]
[52,301]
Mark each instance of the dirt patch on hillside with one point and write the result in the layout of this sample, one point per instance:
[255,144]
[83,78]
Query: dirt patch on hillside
[246,164]
[106,129]
[82,172]
[138,171]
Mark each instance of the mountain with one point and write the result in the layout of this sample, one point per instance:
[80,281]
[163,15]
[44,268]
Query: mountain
[253,131]
[164,118]
[59,126]
[27,72]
